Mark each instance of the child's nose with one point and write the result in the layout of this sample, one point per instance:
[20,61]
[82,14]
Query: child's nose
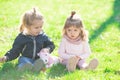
[71,32]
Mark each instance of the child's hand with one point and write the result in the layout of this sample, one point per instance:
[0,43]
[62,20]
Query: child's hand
[78,57]
[45,50]
[3,59]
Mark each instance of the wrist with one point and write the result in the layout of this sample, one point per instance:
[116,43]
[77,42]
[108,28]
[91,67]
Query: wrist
[78,57]
[48,49]
[45,50]
[5,58]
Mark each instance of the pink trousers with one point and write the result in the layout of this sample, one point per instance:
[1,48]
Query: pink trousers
[81,63]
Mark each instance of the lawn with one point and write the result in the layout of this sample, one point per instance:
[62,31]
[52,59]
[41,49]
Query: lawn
[101,19]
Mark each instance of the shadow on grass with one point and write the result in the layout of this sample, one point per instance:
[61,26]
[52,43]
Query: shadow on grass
[6,70]
[109,70]
[6,67]
[9,71]
[115,18]
[57,71]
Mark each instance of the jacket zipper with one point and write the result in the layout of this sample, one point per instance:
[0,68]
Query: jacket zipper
[34,48]
[24,48]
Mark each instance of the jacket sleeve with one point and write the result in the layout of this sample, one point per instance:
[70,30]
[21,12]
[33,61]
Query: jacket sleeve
[14,52]
[49,44]
[62,52]
[86,50]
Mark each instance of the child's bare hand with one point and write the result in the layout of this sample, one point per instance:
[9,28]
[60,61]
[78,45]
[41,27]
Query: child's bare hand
[3,59]
[78,57]
[46,50]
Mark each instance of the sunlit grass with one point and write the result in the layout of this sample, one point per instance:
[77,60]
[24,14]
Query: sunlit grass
[105,44]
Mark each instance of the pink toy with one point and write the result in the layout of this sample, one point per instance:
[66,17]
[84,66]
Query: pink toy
[48,59]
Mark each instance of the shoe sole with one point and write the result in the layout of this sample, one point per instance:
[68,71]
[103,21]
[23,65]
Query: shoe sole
[38,65]
[72,62]
[26,66]
[93,64]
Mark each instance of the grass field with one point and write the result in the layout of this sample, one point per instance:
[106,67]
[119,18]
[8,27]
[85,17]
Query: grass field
[101,19]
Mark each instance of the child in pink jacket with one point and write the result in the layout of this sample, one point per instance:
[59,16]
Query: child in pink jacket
[74,48]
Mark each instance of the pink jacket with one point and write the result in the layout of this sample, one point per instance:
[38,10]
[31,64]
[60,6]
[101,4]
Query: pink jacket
[67,49]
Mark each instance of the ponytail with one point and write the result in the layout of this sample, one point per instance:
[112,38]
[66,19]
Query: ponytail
[72,14]
[34,12]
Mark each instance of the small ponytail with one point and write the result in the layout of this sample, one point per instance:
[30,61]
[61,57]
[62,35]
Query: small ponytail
[72,14]
[34,11]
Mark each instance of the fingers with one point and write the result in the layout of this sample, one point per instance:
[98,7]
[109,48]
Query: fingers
[3,59]
[45,50]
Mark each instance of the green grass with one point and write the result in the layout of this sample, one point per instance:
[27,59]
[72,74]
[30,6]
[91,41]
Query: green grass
[101,19]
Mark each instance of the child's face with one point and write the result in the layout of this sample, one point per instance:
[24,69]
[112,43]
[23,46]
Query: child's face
[36,28]
[73,32]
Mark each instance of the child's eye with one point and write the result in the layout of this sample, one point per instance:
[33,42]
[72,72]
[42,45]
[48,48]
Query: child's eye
[69,30]
[40,26]
[36,27]
[75,30]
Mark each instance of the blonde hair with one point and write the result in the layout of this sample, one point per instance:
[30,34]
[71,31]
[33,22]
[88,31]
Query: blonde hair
[28,18]
[75,21]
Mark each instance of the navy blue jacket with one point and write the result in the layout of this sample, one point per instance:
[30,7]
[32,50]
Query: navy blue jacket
[29,46]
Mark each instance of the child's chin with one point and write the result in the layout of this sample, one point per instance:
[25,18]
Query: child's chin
[35,35]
